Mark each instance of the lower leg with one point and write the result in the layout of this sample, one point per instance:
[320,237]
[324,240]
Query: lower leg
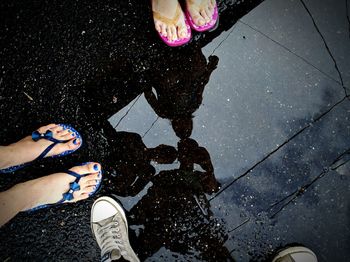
[13,201]
[5,157]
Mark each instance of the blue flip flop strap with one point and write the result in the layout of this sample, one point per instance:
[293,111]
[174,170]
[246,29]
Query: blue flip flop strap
[48,136]
[74,186]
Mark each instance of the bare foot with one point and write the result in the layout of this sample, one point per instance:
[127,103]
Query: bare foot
[48,190]
[201,11]
[169,19]
[27,150]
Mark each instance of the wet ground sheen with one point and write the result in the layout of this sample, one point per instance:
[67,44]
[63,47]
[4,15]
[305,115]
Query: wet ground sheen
[226,149]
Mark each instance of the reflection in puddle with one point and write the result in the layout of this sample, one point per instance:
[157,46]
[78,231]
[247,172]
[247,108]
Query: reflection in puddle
[165,176]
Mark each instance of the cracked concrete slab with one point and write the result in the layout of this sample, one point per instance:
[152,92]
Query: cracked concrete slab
[289,23]
[257,98]
[317,217]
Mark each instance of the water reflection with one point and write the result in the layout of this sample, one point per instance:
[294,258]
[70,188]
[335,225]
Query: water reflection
[175,213]
[178,91]
[170,208]
[134,162]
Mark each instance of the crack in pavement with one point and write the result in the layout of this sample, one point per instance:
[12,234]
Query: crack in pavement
[127,112]
[240,225]
[339,159]
[276,149]
[154,122]
[223,40]
[325,43]
[300,191]
[295,54]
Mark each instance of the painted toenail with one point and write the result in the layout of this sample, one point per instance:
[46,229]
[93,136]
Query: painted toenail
[96,167]
[76,141]
[73,134]
[99,175]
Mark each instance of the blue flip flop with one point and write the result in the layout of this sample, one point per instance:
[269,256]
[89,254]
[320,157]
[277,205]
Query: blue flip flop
[48,136]
[74,186]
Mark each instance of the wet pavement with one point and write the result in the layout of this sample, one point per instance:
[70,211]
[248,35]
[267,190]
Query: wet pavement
[226,149]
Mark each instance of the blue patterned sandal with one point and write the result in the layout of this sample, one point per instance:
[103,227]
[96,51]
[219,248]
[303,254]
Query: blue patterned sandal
[73,186]
[48,136]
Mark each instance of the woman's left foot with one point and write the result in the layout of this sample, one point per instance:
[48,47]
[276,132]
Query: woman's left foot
[201,11]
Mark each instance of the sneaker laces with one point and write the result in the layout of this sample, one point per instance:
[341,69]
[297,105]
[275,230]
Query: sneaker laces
[110,237]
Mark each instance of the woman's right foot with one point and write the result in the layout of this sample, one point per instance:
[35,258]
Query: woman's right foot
[27,150]
[169,19]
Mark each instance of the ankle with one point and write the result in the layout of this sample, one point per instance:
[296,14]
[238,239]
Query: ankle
[23,195]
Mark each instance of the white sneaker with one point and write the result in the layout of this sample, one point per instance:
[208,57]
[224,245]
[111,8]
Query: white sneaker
[295,254]
[110,229]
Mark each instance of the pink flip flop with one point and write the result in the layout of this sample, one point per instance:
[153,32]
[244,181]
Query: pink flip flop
[166,20]
[207,26]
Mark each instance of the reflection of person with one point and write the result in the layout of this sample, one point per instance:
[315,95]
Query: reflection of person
[174,197]
[179,92]
[177,201]
[175,212]
[191,153]
[133,161]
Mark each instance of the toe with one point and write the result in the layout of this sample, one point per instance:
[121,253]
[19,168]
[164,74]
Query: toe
[182,31]
[91,167]
[91,183]
[67,136]
[211,4]
[90,179]
[88,189]
[70,145]
[163,26]
[158,27]
[174,33]
[205,16]
[209,13]
[64,132]
[59,148]
[199,20]
[169,33]
[43,129]
[56,128]
[79,195]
